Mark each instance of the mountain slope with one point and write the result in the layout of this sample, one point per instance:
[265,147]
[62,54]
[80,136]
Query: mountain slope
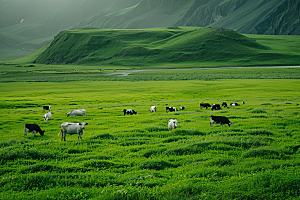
[256,16]
[148,46]
[33,23]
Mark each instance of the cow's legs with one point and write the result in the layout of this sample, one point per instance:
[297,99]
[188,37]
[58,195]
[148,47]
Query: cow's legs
[25,132]
[63,136]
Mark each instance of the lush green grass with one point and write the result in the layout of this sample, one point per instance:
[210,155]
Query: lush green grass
[136,157]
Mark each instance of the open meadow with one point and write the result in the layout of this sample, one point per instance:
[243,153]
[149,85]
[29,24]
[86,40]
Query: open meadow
[136,156]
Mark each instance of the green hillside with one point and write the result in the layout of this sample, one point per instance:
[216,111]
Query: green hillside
[162,45]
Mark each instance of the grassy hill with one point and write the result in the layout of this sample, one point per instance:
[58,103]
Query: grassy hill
[160,45]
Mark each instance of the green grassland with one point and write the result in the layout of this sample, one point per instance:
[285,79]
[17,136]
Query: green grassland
[145,48]
[137,157]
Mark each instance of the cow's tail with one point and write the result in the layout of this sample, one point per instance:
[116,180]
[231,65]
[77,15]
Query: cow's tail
[59,133]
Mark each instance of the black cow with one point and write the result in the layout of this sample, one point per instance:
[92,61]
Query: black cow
[171,109]
[224,104]
[129,112]
[215,107]
[33,128]
[220,120]
[46,108]
[204,105]
[182,108]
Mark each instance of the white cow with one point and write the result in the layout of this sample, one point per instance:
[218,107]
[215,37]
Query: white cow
[75,113]
[172,124]
[153,109]
[47,116]
[72,128]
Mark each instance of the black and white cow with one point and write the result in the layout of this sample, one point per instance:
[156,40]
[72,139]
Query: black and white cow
[47,116]
[204,105]
[72,128]
[34,128]
[182,108]
[171,109]
[224,104]
[129,112]
[234,104]
[75,113]
[215,107]
[47,108]
[220,120]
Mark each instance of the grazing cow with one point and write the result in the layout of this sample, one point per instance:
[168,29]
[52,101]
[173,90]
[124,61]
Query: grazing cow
[182,108]
[33,128]
[47,116]
[171,109]
[153,109]
[72,128]
[129,112]
[224,104]
[243,102]
[204,105]
[215,107]
[172,124]
[47,108]
[220,120]
[75,113]
[234,104]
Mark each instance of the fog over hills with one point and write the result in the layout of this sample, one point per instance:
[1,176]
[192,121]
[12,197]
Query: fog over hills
[27,25]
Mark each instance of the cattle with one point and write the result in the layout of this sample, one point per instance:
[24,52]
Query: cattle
[171,109]
[234,104]
[220,120]
[172,124]
[129,112]
[152,109]
[224,104]
[72,128]
[47,116]
[75,113]
[47,108]
[243,102]
[182,108]
[204,105]
[34,128]
[215,107]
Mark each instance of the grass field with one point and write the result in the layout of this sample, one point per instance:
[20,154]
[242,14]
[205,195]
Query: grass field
[137,157]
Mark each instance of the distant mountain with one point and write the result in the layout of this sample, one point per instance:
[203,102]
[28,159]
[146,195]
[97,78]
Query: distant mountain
[276,17]
[30,24]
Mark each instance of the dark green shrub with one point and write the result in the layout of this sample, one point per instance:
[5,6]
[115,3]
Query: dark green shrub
[103,164]
[258,111]
[157,165]
[259,132]
[104,136]
[188,132]
[156,129]
[261,152]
